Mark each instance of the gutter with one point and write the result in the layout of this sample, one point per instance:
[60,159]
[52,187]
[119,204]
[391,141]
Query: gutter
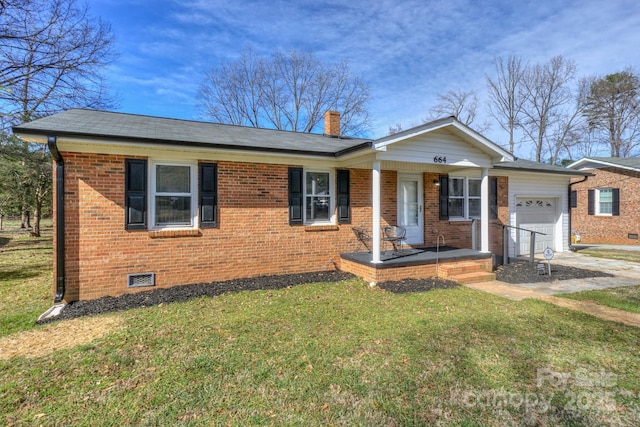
[59,261]
[569,199]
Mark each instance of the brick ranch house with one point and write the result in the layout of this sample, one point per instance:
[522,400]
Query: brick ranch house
[604,208]
[144,201]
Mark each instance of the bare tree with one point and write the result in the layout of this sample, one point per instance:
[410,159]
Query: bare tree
[460,104]
[287,91]
[52,54]
[506,99]
[613,109]
[546,88]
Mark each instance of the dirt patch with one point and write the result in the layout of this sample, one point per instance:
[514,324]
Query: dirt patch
[62,335]
[597,310]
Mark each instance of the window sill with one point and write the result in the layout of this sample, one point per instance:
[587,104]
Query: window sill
[159,234]
[322,227]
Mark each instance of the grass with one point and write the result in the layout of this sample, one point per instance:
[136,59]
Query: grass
[633,256]
[333,354]
[624,298]
[25,276]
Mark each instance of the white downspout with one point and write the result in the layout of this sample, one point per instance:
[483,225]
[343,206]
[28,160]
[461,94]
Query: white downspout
[484,211]
[375,200]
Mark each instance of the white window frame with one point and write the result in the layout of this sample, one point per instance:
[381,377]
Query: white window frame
[193,184]
[332,197]
[597,201]
[465,197]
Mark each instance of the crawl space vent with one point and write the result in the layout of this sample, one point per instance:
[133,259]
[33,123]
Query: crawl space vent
[144,279]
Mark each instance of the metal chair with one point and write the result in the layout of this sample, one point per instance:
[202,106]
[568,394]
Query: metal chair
[396,235]
[363,237]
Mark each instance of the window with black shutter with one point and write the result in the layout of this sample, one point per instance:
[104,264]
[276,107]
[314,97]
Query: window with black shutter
[344,208]
[208,199]
[493,198]
[296,196]
[615,208]
[135,203]
[444,197]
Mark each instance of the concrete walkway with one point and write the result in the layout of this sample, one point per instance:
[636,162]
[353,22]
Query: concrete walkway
[624,274]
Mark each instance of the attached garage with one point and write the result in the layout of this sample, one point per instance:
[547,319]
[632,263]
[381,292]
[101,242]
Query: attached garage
[539,214]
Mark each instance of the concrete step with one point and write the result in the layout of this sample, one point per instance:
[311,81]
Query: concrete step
[447,271]
[473,277]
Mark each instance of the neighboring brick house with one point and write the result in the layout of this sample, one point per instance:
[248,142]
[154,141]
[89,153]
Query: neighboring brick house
[144,201]
[605,208]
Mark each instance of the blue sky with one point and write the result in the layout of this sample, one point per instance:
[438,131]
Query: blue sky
[407,50]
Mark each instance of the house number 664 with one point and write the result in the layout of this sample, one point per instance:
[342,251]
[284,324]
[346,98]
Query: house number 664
[440,159]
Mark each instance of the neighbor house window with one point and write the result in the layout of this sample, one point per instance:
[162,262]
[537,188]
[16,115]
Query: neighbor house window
[604,204]
[603,201]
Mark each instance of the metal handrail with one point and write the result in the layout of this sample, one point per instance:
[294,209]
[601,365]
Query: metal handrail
[505,242]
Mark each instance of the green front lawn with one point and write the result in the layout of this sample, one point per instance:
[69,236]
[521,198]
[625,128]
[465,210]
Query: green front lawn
[325,354]
[25,276]
[624,298]
[633,256]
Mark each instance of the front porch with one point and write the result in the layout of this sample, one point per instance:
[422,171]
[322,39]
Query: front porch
[460,265]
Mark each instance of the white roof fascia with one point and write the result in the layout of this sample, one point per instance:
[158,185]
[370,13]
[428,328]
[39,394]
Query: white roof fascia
[586,160]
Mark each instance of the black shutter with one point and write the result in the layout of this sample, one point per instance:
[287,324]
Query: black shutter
[493,198]
[591,207]
[208,200]
[574,199]
[296,196]
[344,210]
[615,209]
[444,197]
[135,194]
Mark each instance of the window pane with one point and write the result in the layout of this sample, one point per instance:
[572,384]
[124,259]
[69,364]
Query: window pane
[317,183]
[317,208]
[173,210]
[474,208]
[475,187]
[456,208]
[173,179]
[456,187]
[606,195]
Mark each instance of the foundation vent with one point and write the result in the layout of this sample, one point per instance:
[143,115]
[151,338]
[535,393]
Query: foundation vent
[144,279]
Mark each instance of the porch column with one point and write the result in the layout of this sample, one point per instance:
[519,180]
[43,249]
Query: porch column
[484,211]
[375,200]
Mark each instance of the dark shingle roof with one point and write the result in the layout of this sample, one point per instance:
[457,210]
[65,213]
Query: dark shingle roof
[121,126]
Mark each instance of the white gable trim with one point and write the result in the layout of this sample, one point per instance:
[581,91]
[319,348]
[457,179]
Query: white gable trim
[495,152]
[587,163]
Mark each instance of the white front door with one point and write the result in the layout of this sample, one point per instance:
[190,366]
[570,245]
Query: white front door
[410,207]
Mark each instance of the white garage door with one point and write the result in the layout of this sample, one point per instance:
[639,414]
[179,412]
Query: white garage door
[537,214]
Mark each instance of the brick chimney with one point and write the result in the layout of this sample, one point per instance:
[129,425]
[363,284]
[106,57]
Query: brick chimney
[332,123]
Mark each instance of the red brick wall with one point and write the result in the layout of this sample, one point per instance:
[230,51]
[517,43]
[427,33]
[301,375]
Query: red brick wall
[609,229]
[253,238]
[458,233]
